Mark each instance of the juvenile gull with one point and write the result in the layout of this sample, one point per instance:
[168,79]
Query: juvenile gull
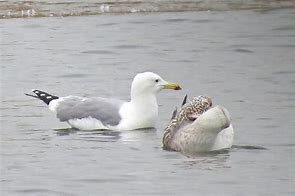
[198,127]
[102,113]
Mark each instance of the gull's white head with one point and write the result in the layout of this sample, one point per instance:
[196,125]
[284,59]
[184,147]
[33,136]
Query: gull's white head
[150,83]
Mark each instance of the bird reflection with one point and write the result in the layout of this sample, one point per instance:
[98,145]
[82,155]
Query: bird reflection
[91,135]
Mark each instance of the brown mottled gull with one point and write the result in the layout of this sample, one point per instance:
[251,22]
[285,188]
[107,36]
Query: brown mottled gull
[199,127]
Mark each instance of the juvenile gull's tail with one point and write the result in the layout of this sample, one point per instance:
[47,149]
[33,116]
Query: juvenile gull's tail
[45,97]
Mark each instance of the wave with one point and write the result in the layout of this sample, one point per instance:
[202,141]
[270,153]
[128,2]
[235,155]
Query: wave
[49,8]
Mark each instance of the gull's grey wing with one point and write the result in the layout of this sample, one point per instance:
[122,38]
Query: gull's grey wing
[105,110]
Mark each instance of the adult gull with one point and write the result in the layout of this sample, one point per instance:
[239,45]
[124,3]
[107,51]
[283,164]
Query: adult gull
[105,113]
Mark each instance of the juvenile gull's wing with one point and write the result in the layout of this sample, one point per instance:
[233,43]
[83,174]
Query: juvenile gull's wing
[105,110]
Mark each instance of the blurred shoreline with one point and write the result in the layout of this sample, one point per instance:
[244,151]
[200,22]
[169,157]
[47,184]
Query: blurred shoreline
[51,8]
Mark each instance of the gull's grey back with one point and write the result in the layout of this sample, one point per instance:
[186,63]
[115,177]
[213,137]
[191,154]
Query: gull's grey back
[105,110]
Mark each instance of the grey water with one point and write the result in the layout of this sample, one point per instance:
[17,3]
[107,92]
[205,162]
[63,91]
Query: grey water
[49,8]
[244,60]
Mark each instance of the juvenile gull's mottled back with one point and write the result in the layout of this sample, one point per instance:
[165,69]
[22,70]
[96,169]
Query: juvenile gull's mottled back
[187,114]
[198,127]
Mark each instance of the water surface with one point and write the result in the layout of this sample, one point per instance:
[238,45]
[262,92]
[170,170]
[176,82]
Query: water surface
[51,8]
[244,60]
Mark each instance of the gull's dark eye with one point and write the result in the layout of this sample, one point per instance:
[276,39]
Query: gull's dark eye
[157,80]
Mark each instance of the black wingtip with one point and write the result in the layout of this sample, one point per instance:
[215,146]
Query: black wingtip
[45,97]
[184,100]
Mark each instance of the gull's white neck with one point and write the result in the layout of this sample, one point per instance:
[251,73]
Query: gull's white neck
[140,112]
[145,106]
[144,103]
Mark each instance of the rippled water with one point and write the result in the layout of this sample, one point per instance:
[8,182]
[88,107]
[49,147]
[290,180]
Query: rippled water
[45,8]
[243,59]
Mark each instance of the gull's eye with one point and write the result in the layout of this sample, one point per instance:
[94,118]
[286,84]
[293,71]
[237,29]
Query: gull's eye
[157,80]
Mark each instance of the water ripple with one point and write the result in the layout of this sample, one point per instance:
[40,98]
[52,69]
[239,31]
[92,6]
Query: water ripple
[98,52]
[41,191]
[47,8]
